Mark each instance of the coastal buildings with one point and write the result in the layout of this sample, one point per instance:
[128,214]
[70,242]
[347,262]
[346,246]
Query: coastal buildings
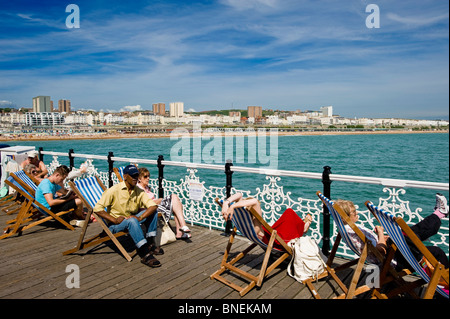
[254,111]
[64,106]
[23,120]
[176,109]
[159,109]
[42,104]
[43,118]
[327,111]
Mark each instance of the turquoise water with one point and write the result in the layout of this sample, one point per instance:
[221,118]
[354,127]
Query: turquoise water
[423,157]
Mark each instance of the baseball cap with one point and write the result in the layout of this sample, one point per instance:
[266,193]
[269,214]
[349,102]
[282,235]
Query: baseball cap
[131,170]
[32,153]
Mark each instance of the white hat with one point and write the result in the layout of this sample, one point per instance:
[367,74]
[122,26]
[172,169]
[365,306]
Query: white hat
[32,153]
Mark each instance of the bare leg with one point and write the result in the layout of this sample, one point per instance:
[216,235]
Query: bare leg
[177,209]
[256,223]
[308,220]
[79,210]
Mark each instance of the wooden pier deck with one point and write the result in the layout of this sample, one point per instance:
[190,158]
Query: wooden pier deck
[32,267]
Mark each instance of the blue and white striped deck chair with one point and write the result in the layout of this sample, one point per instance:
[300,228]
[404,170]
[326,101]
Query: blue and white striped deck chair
[119,172]
[396,227]
[387,273]
[242,220]
[90,190]
[340,219]
[24,178]
[26,218]
[14,199]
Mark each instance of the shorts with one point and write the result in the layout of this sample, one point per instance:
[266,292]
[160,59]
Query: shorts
[165,208]
[64,206]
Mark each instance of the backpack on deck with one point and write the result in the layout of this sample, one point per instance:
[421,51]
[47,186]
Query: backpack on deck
[307,261]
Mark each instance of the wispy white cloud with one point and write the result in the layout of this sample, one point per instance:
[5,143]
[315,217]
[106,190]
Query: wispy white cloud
[241,5]
[274,53]
[417,21]
[131,108]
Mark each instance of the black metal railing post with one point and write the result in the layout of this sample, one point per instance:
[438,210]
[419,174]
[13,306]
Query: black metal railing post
[41,156]
[228,186]
[71,159]
[110,168]
[326,214]
[160,176]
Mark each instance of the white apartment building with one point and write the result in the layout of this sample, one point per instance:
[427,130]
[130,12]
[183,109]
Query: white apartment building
[176,109]
[327,111]
[78,118]
[297,119]
[43,118]
[113,119]
[143,119]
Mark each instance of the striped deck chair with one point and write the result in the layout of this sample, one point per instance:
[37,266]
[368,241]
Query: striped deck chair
[31,213]
[27,182]
[387,273]
[242,219]
[396,227]
[90,190]
[119,172]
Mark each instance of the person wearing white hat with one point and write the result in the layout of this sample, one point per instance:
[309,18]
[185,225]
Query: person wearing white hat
[32,158]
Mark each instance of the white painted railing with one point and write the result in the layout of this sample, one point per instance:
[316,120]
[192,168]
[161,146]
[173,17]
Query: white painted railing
[274,200]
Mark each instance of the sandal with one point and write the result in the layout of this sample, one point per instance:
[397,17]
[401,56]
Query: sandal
[156,250]
[185,236]
[150,261]
[185,229]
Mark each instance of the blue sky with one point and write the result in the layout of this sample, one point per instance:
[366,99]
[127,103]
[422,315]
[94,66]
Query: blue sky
[219,54]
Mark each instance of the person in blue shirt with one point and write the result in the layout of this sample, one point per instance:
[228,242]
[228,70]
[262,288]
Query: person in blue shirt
[46,194]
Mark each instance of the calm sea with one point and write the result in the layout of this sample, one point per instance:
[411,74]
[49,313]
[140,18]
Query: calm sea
[422,157]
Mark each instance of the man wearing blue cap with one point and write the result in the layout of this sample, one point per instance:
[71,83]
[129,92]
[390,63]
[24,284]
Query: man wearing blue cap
[125,202]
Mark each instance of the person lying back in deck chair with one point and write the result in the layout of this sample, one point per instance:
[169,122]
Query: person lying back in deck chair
[289,226]
[124,202]
[424,229]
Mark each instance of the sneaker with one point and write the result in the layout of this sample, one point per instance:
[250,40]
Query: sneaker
[441,204]
[77,222]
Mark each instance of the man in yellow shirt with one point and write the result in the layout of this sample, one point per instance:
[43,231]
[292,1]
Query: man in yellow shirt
[125,203]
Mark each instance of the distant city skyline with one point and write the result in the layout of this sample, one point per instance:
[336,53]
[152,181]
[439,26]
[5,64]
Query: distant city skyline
[229,54]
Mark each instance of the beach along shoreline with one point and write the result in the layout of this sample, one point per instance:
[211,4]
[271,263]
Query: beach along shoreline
[177,134]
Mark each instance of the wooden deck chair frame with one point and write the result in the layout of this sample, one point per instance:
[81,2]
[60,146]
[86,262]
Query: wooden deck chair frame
[118,173]
[104,236]
[265,270]
[396,228]
[29,207]
[16,199]
[387,273]
[11,203]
